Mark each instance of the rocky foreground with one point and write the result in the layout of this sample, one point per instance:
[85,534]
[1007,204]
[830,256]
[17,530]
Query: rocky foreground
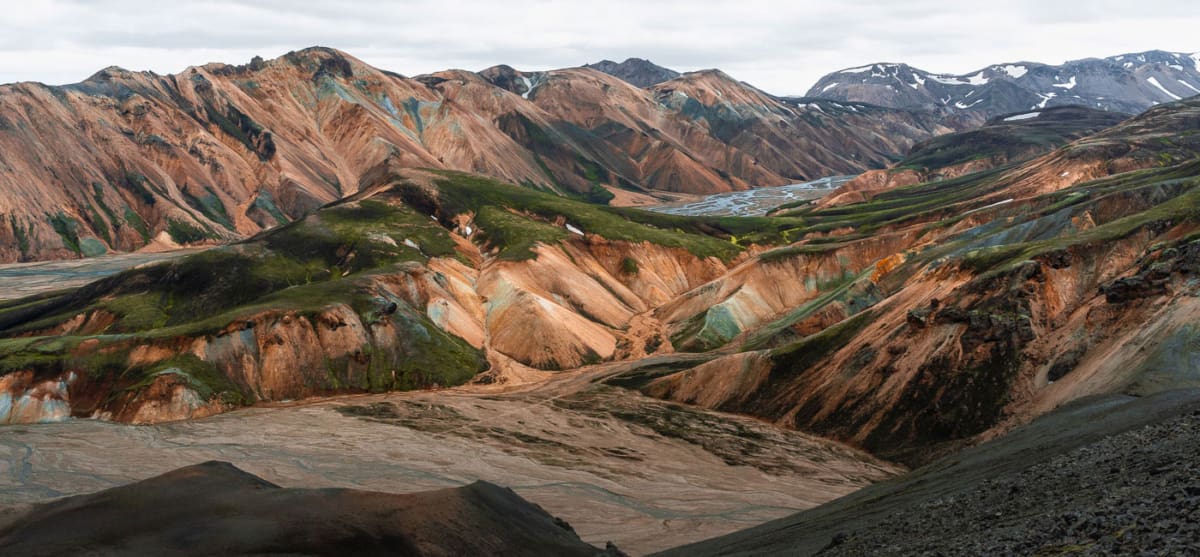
[1106,476]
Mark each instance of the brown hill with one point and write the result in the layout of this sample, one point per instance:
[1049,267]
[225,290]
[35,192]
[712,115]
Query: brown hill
[126,160]
[944,311]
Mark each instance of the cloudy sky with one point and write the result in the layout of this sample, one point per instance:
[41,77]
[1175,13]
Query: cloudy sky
[780,46]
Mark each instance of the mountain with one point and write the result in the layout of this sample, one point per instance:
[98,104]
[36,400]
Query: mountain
[126,160]
[1002,140]
[914,323]
[1129,83]
[251,516]
[947,310]
[639,72]
[925,318]
[421,279]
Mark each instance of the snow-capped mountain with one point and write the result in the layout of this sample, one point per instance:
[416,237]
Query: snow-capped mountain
[1127,83]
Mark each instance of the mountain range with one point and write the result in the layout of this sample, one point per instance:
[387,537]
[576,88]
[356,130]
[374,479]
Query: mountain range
[1009,310]
[1129,83]
[127,159]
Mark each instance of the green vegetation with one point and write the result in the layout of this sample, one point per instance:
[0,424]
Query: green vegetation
[21,233]
[135,220]
[303,268]
[185,233]
[1166,197]
[516,235]
[67,229]
[141,186]
[241,127]
[800,356]
[210,206]
[202,377]
[928,201]
[703,236]
[1009,141]
[629,266]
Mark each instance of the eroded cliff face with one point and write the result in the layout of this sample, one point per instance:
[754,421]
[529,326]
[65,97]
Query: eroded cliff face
[368,295]
[219,152]
[1072,275]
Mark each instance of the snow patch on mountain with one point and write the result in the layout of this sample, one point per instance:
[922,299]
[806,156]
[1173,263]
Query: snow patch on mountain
[1069,85]
[1188,85]
[830,86]
[947,79]
[1026,116]
[1013,71]
[1154,82]
[1045,99]
[528,87]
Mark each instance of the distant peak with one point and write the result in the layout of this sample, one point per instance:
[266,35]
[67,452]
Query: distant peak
[638,71]
[323,60]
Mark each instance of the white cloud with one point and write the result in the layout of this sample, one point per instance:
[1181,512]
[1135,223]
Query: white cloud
[780,47]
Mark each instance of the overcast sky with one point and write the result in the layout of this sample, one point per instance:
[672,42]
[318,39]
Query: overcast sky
[781,46]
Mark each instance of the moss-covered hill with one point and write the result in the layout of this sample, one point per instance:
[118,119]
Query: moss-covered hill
[362,265]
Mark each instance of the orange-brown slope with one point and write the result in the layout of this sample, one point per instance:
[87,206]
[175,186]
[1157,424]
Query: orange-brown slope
[217,152]
[795,138]
[984,314]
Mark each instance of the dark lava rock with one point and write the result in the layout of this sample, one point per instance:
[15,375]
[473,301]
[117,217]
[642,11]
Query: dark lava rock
[1112,475]
[1131,288]
[216,509]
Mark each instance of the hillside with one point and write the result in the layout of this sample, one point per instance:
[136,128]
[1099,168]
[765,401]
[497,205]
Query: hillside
[1129,83]
[948,310]
[1002,140]
[128,160]
[1101,475]
[419,280]
[160,516]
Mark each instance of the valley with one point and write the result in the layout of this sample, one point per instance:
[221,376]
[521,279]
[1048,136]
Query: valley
[409,296]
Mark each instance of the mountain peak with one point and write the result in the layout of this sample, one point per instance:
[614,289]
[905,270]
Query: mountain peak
[1127,83]
[638,71]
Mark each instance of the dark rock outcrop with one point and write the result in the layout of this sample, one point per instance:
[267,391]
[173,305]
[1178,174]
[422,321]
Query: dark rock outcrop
[216,509]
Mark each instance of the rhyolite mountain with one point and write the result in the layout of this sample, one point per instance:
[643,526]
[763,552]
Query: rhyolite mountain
[1002,140]
[1129,83]
[927,317]
[642,73]
[216,153]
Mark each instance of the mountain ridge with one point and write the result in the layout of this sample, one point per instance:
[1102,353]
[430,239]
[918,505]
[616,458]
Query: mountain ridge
[638,71]
[1126,83]
[219,152]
